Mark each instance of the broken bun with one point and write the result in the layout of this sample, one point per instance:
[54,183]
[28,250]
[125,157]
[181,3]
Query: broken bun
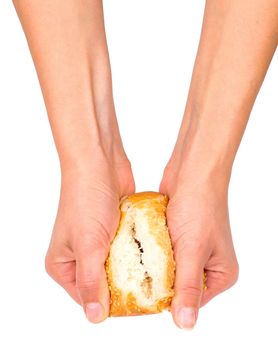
[140,266]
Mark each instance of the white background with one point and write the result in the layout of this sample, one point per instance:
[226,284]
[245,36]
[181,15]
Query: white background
[152,48]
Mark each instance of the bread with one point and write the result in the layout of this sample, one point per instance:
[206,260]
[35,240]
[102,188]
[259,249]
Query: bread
[140,266]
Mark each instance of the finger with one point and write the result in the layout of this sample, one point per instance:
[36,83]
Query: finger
[71,289]
[188,288]
[64,274]
[92,283]
[217,282]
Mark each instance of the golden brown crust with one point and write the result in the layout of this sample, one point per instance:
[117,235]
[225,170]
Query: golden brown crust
[136,198]
[155,206]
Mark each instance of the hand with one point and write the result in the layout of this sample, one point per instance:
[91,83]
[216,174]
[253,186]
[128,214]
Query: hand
[75,77]
[198,222]
[87,218]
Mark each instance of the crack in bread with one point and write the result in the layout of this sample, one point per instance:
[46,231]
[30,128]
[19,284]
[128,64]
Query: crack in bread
[146,284]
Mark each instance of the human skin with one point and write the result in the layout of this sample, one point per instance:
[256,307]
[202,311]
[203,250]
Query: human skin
[67,42]
[238,40]
[68,45]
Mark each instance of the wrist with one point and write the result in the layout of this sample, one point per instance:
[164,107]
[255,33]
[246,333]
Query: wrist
[89,137]
[96,155]
[205,158]
[202,158]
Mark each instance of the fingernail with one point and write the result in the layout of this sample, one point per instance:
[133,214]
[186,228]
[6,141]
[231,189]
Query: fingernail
[94,312]
[187,317]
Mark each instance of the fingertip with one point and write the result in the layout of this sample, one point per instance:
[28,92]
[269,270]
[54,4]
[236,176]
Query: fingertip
[185,317]
[98,310]
[95,312]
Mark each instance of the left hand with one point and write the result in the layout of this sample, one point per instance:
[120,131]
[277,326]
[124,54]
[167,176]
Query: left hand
[198,222]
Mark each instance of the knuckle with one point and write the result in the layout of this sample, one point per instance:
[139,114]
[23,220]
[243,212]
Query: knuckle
[49,266]
[61,272]
[90,244]
[234,273]
[191,290]
[88,241]
[52,268]
[230,277]
[192,246]
[87,283]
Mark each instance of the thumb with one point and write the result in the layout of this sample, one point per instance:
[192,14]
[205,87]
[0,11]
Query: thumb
[188,288]
[91,282]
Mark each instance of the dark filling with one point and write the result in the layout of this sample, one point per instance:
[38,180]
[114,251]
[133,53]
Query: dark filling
[147,282]
[141,250]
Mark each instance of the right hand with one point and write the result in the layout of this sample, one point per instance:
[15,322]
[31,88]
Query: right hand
[86,222]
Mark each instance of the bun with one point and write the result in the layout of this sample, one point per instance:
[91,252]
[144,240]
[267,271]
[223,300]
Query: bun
[140,266]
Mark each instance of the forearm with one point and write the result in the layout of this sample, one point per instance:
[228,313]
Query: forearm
[237,43]
[68,45]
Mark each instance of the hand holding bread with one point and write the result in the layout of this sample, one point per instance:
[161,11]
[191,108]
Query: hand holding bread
[198,222]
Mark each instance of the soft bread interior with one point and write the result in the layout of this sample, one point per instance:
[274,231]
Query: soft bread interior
[138,263]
